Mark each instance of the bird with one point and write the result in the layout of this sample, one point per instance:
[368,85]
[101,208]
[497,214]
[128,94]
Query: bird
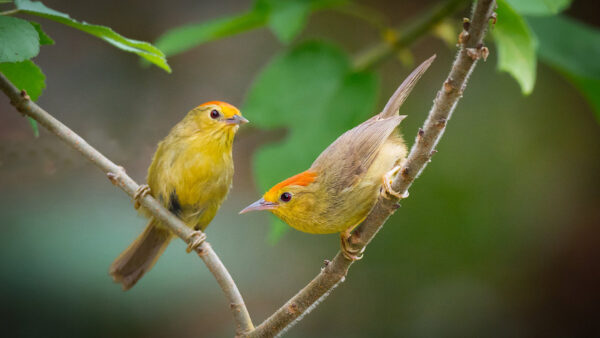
[343,184]
[190,174]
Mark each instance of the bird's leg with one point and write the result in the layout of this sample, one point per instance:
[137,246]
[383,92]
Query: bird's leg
[140,192]
[195,239]
[387,191]
[347,250]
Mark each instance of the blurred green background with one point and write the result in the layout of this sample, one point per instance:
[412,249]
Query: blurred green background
[500,236]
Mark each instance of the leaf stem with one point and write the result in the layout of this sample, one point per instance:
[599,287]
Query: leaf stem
[373,56]
[10,12]
[364,13]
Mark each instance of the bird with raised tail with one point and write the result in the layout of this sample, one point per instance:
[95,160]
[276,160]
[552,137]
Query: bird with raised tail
[342,185]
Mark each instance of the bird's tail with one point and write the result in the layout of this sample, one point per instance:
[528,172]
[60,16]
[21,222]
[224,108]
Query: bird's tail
[140,256]
[400,95]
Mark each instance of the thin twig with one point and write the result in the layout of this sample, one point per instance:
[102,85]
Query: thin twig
[118,177]
[447,97]
[373,56]
[364,13]
[10,12]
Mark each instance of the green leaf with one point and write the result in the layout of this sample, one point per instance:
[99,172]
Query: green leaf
[183,38]
[18,40]
[568,44]
[516,46]
[573,49]
[26,76]
[539,7]
[34,127]
[590,88]
[287,18]
[313,92]
[141,48]
[44,38]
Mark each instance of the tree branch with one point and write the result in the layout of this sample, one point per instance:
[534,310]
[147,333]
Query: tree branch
[118,177]
[427,138]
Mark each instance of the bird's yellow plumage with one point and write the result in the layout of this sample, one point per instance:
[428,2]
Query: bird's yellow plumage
[191,173]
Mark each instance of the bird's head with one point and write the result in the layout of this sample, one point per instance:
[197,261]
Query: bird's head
[218,116]
[293,197]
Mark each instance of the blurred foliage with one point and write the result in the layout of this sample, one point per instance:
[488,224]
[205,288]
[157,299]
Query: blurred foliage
[26,75]
[21,41]
[285,19]
[19,38]
[516,42]
[530,29]
[516,47]
[539,7]
[573,49]
[183,38]
[447,32]
[143,49]
[44,38]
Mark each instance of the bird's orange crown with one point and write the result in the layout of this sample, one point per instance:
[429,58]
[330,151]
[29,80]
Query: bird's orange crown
[228,109]
[303,179]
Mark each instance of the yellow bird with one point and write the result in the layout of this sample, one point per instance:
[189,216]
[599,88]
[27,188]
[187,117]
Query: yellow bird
[190,174]
[342,185]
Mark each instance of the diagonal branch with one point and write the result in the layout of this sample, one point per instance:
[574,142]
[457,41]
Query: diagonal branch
[427,138]
[118,177]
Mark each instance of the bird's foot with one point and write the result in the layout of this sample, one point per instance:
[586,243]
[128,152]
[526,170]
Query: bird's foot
[140,192]
[348,251]
[195,239]
[387,191]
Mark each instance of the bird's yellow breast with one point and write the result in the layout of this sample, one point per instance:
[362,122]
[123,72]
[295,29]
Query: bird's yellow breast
[196,172]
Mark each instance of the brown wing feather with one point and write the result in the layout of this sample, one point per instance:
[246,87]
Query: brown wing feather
[400,95]
[351,155]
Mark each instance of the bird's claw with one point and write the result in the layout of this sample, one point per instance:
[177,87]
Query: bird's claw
[350,253]
[195,239]
[387,191]
[140,192]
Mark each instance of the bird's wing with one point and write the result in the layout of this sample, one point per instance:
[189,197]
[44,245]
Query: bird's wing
[350,156]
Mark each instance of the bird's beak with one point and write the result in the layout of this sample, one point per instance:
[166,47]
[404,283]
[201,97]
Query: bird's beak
[261,204]
[236,119]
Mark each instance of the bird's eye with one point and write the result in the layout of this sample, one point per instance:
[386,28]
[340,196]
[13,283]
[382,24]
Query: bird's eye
[214,114]
[286,197]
